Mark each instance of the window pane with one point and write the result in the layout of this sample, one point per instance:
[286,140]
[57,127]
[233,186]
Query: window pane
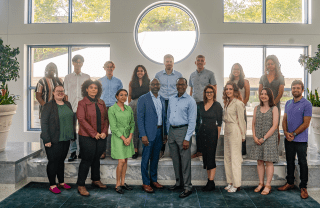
[284,11]
[166,30]
[40,57]
[243,11]
[91,11]
[34,115]
[50,11]
[94,58]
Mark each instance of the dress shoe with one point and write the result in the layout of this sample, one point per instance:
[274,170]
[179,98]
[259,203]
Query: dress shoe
[304,193]
[286,187]
[119,190]
[135,156]
[156,185]
[103,155]
[126,187]
[210,186]
[72,157]
[55,190]
[175,187]
[83,191]
[65,186]
[185,193]
[147,188]
[99,184]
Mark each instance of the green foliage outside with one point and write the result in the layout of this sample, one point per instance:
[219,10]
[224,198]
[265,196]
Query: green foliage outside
[314,98]
[278,11]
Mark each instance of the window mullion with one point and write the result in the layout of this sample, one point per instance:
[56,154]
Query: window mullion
[70,11]
[69,59]
[264,56]
[264,11]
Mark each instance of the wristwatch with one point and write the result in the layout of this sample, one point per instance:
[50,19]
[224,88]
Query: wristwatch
[264,139]
[294,133]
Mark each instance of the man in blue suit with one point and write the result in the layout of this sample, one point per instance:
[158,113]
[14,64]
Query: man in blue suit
[152,129]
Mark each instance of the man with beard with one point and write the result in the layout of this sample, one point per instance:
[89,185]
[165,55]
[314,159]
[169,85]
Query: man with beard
[296,120]
[151,118]
[182,114]
[46,85]
[167,78]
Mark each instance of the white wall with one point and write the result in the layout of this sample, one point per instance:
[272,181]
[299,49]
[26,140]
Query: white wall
[119,34]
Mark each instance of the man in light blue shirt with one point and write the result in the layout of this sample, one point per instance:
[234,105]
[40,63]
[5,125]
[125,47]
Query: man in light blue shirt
[110,86]
[182,114]
[168,78]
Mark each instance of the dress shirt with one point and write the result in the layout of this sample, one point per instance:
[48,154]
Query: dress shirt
[158,105]
[296,111]
[72,87]
[182,110]
[198,81]
[109,89]
[168,83]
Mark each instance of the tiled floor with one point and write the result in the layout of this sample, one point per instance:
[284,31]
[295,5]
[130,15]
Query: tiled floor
[38,195]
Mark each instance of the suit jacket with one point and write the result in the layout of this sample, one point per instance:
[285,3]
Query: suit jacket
[87,117]
[147,117]
[50,125]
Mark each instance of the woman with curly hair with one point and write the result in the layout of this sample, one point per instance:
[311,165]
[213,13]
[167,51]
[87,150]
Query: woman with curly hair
[274,80]
[139,85]
[234,135]
[93,120]
[237,76]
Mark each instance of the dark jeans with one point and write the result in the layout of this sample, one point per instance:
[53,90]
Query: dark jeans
[91,151]
[166,102]
[56,155]
[299,148]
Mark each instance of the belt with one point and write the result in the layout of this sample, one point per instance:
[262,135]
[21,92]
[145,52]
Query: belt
[158,127]
[175,127]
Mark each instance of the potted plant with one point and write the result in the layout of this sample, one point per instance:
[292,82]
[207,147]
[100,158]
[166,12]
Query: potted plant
[9,70]
[312,64]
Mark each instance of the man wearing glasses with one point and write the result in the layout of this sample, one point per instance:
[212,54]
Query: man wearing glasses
[72,87]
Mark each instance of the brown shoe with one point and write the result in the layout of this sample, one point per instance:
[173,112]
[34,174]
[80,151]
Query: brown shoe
[157,185]
[195,155]
[286,187]
[147,188]
[265,192]
[99,184]
[83,191]
[103,155]
[304,193]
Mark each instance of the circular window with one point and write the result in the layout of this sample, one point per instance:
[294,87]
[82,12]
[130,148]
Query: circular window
[166,28]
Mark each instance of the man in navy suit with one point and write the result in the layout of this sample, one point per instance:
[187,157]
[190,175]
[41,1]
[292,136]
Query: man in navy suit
[152,129]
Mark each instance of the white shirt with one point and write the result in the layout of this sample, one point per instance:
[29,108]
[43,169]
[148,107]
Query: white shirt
[72,86]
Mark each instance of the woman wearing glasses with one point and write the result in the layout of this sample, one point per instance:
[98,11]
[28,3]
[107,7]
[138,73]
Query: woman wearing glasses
[57,126]
[210,115]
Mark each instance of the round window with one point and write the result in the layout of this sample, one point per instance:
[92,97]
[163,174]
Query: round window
[166,28]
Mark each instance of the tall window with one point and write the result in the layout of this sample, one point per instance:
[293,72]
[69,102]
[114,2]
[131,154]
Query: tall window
[166,28]
[266,11]
[252,60]
[69,11]
[40,56]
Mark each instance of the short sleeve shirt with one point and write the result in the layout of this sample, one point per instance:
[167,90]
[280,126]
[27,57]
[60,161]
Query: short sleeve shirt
[198,81]
[274,85]
[296,111]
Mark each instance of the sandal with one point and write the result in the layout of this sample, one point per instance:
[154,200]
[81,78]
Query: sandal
[228,187]
[266,192]
[234,189]
[119,190]
[261,185]
[126,187]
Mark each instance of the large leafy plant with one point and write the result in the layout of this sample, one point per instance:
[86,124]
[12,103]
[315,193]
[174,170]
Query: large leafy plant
[9,70]
[310,63]
[314,98]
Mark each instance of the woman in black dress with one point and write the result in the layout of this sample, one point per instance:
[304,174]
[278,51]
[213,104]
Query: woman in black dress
[210,113]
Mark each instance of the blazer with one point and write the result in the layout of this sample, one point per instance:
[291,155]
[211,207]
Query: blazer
[87,117]
[147,117]
[50,126]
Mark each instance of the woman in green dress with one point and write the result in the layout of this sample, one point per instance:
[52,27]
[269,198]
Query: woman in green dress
[122,127]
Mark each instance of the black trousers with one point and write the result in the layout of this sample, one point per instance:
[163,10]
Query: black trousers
[299,148]
[91,151]
[166,102]
[56,155]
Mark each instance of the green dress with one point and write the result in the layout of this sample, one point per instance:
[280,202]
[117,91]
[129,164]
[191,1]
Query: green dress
[121,123]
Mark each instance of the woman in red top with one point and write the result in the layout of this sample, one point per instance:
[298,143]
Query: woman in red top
[93,120]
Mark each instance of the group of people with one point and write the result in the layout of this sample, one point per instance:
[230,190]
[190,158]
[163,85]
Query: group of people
[159,112]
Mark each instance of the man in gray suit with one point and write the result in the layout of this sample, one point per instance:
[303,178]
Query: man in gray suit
[182,114]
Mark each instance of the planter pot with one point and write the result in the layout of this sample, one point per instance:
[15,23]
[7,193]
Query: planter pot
[6,113]
[315,126]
